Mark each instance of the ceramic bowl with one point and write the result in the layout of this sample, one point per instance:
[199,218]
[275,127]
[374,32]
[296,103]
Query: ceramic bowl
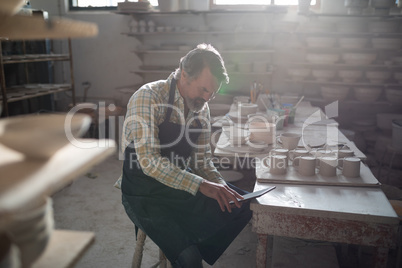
[247,108]
[359,58]
[322,58]
[262,131]
[299,73]
[386,43]
[245,67]
[353,42]
[317,42]
[334,93]
[260,66]
[350,76]
[41,136]
[394,95]
[377,77]
[367,94]
[313,27]
[323,75]
[217,109]
[384,26]
[348,26]
[398,77]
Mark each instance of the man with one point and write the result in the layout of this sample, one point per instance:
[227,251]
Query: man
[170,187]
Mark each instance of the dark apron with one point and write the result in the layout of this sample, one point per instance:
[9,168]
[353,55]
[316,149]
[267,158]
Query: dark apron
[175,219]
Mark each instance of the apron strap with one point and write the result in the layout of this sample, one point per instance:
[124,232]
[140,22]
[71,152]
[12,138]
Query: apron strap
[171,98]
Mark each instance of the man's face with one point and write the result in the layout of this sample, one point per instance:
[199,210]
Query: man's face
[200,90]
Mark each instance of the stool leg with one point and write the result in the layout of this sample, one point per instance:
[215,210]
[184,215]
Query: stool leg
[139,248]
[390,165]
[379,169]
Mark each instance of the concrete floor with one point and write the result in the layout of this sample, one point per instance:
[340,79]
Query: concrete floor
[91,203]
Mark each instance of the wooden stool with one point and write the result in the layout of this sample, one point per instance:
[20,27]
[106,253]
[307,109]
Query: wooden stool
[139,249]
[397,206]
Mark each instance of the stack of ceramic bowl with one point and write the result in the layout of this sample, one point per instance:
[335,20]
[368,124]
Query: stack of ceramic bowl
[262,132]
[355,7]
[320,42]
[383,26]
[32,229]
[367,94]
[299,73]
[378,77]
[353,42]
[398,77]
[323,75]
[356,58]
[351,26]
[285,26]
[386,43]
[334,93]
[314,27]
[394,95]
[350,76]
[322,58]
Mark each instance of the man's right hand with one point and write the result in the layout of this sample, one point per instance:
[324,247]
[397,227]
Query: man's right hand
[221,193]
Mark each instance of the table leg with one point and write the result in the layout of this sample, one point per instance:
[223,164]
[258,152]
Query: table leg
[261,258]
[380,257]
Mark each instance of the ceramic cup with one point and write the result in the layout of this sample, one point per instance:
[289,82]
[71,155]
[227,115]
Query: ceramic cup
[298,152]
[324,153]
[351,167]
[305,165]
[327,166]
[289,140]
[277,164]
[281,151]
[247,108]
[345,153]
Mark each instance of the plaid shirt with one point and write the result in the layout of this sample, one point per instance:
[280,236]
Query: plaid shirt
[146,110]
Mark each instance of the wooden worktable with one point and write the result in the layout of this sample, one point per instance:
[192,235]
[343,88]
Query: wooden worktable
[349,213]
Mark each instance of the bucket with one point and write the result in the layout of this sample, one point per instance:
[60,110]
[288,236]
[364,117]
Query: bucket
[397,134]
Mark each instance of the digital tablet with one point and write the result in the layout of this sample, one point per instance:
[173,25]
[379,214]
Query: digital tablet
[255,194]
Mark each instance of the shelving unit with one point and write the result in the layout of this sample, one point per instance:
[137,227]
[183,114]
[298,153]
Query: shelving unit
[233,54]
[28,91]
[383,61]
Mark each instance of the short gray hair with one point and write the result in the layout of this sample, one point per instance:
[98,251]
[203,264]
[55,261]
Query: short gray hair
[204,55]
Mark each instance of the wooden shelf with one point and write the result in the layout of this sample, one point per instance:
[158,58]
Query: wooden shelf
[64,249]
[166,51]
[345,65]
[24,180]
[358,84]
[34,58]
[37,94]
[267,10]
[353,102]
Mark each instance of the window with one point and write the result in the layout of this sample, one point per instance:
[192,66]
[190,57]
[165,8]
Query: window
[98,4]
[259,2]
[112,4]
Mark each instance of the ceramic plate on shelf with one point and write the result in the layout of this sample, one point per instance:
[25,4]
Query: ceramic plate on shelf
[15,94]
